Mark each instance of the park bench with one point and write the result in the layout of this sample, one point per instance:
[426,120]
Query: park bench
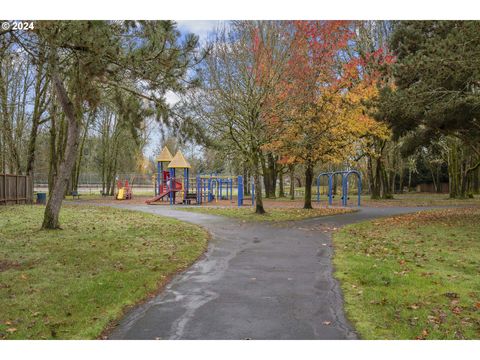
[75,194]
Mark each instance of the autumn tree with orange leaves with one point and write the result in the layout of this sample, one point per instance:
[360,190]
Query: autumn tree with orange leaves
[317,124]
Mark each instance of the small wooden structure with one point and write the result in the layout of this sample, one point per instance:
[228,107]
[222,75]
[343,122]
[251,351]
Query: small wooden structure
[15,189]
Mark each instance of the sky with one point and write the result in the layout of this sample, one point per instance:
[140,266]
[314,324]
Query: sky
[202,28]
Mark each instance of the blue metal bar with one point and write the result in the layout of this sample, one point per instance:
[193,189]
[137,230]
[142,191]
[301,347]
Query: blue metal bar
[199,189]
[172,186]
[344,174]
[330,190]
[209,184]
[240,190]
[359,188]
[359,184]
[212,195]
[185,183]
[205,193]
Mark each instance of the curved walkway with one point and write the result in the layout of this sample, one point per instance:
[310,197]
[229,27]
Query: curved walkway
[256,281]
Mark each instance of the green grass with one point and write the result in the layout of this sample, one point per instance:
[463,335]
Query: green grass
[273,214]
[70,283]
[420,199]
[412,276]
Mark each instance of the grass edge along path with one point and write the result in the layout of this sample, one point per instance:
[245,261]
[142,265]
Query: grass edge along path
[414,276]
[72,283]
[271,215]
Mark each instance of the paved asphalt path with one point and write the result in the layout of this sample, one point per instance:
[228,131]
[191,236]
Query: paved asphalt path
[256,281]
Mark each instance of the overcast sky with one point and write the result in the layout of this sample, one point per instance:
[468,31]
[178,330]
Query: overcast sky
[202,28]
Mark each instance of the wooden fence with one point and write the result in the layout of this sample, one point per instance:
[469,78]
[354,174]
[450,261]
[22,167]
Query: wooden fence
[15,189]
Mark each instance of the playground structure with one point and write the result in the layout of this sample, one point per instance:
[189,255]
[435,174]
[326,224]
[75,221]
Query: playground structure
[344,181]
[171,187]
[124,192]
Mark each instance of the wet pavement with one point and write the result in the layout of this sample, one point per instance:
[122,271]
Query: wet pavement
[256,281]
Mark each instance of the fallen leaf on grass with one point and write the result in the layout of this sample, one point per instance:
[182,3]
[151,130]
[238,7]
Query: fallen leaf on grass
[457,310]
[423,335]
[11,330]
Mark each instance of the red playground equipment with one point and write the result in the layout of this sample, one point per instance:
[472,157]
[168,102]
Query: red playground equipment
[124,192]
[167,185]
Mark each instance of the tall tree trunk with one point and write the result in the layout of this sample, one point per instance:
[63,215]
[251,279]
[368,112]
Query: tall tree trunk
[400,179]
[246,181]
[291,169]
[14,159]
[272,171]
[266,176]
[52,210]
[476,182]
[53,161]
[38,109]
[453,170]
[299,181]
[78,163]
[335,185]
[385,185]
[258,185]
[374,176]
[308,186]
[281,190]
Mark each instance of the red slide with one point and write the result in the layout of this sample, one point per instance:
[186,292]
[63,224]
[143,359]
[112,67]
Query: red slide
[178,187]
[158,197]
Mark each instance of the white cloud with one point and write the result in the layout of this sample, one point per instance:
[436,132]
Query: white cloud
[171,98]
[202,28]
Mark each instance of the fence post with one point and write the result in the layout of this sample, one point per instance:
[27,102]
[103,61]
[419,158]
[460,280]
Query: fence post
[16,189]
[26,192]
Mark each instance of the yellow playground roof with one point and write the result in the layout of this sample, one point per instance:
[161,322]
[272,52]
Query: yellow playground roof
[165,155]
[179,162]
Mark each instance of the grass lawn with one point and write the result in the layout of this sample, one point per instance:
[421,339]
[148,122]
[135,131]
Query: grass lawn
[413,276]
[70,283]
[419,199]
[273,214]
